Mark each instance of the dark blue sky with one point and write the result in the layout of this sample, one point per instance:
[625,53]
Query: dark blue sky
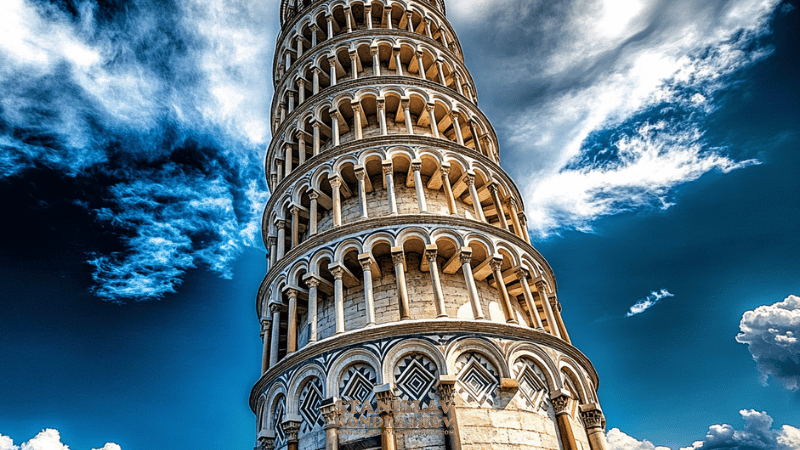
[112,172]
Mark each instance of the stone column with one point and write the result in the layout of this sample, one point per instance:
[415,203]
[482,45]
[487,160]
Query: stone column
[292,428]
[382,115]
[448,189]
[385,396]
[301,91]
[295,225]
[368,16]
[475,137]
[291,101]
[316,144]
[440,70]
[406,104]
[512,206]
[312,215]
[594,421]
[476,201]
[287,160]
[273,250]
[376,61]
[465,257]
[336,183]
[291,332]
[348,15]
[420,66]
[556,305]
[457,78]
[397,61]
[362,190]
[387,12]
[533,311]
[265,326]
[432,115]
[410,23]
[353,65]
[314,30]
[457,129]
[330,26]
[315,80]
[312,281]
[357,121]
[497,264]
[501,213]
[279,165]
[416,165]
[398,257]
[338,296]
[328,409]
[334,113]
[332,63]
[282,112]
[276,325]
[367,261]
[524,224]
[560,402]
[280,224]
[388,174]
[431,252]
[541,289]
[428,27]
[447,396]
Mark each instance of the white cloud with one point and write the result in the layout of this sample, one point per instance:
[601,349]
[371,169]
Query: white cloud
[48,439]
[648,302]
[595,66]
[617,440]
[756,435]
[772,334]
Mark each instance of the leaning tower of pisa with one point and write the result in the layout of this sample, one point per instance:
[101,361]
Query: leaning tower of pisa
[400,269]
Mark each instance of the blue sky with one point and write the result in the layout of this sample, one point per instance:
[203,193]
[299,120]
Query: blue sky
[656,144]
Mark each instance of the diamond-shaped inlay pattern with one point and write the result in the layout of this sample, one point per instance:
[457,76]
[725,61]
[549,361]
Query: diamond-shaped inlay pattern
[310,397]
[531,383]
[416,376]
[357,383]
[478,379]
[277,419]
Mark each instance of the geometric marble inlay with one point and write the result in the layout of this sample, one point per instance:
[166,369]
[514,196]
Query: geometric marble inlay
[310,397]
[531,383]
[478,380]
[277,419]
[357,383]
[416,377]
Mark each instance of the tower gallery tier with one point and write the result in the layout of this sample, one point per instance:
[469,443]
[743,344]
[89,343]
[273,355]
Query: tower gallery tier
[400,267]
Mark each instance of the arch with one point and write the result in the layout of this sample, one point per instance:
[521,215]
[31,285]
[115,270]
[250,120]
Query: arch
[413,345]
[346,246]
[347,359]
[479,345]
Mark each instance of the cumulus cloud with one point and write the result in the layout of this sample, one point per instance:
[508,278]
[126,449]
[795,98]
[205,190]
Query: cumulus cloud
[163,106]
[772,334]
[48,439]
[601,104]
[617,440]
[648,302]
[757,434]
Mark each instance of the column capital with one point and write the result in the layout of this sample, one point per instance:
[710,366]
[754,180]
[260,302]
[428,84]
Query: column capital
[445,168]
[312,281]
[292,293]
[366,260]
[335,181]
[447,388]
[416,165]
[398,257]
[275,308]
[337,272]
[383,393]
[292,428]
[301,82]
[522,273]
[388,167]
[560,400]
[280,223]
[381,101]
[294,209]
[265,325]
[373,50]
[471,178]
[396,48]
[356,107]
[493,187]
[431,252]
[496,263]
[328,409]
[313,195]
[360,172]
[593,416]
[272,240]
[430,106]
[465,255]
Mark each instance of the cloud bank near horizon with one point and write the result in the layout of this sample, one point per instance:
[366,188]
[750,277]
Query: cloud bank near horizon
[47,439]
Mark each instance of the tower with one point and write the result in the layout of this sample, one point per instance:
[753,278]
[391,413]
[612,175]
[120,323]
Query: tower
[400,267]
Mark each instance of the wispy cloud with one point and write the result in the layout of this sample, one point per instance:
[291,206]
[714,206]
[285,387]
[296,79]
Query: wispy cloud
[603,104]
[772,334]
[163,106]
[48,439]
[648,302]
